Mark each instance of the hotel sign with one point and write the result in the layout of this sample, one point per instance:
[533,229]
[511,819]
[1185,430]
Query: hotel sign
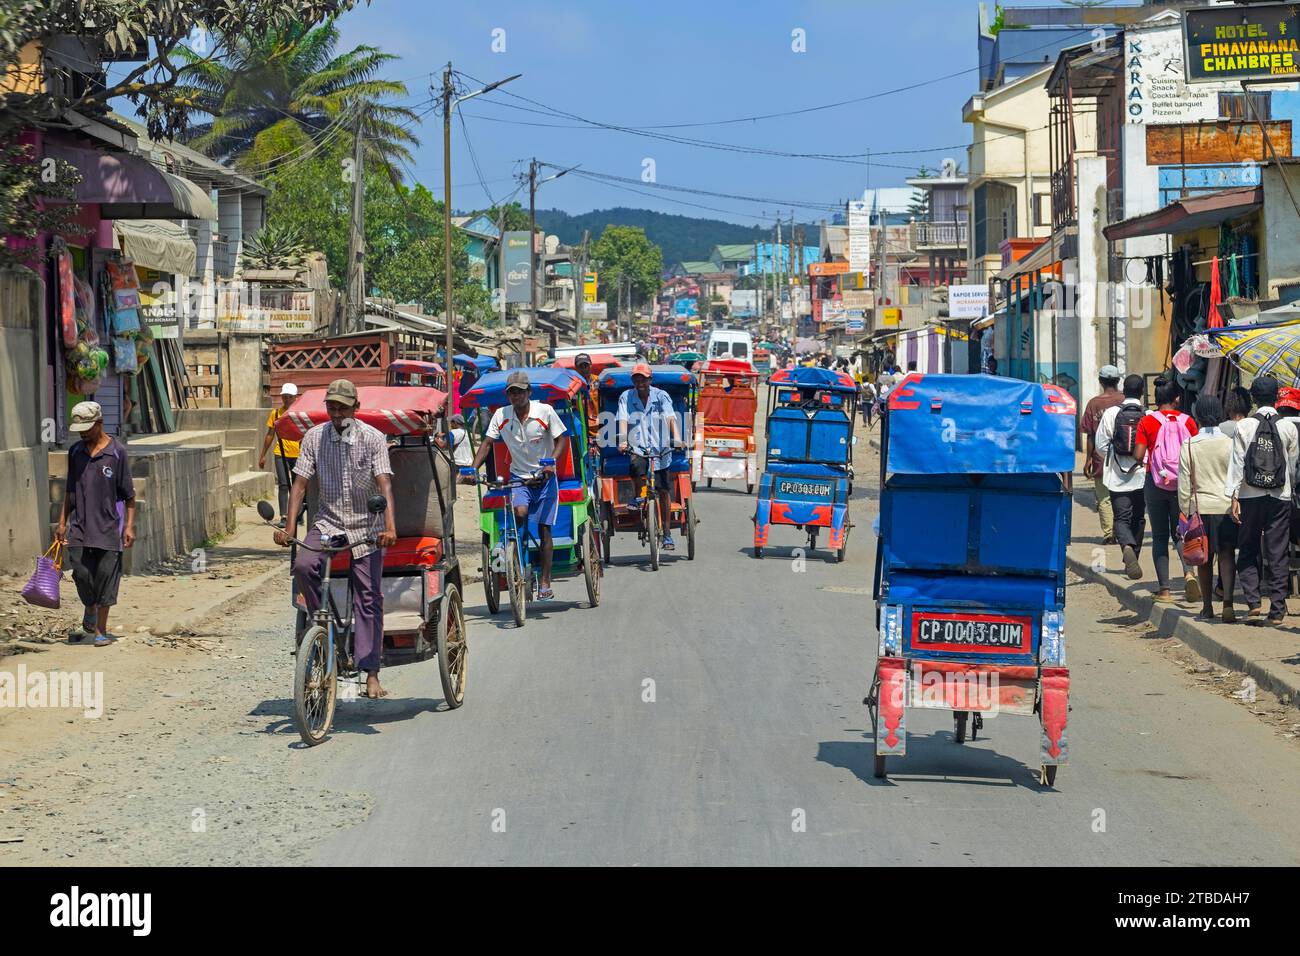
[1253,43]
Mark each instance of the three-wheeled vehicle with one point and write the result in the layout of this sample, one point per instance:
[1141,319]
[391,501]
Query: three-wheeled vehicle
[808,461]
[724,447]
[423,606]
[763,357]
[511,554]
[411,372]
[623,505]
[970,564]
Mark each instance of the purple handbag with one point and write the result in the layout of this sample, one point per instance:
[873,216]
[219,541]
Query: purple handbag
[43,587]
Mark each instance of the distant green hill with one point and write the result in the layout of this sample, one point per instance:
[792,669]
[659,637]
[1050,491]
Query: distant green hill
[680,237]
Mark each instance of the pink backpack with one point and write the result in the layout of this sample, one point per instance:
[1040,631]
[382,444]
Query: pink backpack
[1164,456]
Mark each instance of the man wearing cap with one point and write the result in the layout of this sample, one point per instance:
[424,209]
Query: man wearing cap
[460,450]
[349,459]
[647,427]
[1093,467]
[286,450]
[97,520]
[531,431]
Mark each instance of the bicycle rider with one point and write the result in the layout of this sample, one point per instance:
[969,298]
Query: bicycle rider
[643,413]
[349,459]
[531,431]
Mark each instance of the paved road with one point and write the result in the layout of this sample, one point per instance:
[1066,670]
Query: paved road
[758,670]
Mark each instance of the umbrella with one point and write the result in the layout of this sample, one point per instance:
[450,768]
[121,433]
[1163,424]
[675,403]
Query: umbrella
[1271,349]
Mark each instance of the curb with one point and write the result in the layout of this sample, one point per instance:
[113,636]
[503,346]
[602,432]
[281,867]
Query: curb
[190,619]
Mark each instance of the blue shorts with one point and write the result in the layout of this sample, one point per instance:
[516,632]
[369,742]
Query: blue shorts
[543,501]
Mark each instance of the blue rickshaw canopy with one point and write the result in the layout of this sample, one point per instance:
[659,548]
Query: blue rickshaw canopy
[549,385]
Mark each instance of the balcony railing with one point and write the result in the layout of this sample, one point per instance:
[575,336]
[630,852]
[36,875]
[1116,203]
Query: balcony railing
[940,235]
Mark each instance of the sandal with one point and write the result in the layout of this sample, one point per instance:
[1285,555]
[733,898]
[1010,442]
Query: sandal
[546,594]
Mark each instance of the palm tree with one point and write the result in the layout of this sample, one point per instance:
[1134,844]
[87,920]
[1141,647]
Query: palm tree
[279,94]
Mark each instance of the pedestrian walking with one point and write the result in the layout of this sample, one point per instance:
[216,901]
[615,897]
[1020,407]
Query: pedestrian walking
[1202,475]
[349,460]
[1122,473]
[97,519]
[868,401]
[1110,396]
[286,450]
[1160,440]
[1259,484]
[1236,406]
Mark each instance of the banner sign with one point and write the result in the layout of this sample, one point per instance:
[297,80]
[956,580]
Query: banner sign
[859,236]
[968,301]
[1155,90]
[518,267]
[828,268]
[589,285]
[1257,42]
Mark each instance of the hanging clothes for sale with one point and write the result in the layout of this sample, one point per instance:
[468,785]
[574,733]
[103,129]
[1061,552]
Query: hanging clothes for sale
[1213,320]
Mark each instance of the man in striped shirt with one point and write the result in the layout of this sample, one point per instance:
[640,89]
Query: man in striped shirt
[349,459]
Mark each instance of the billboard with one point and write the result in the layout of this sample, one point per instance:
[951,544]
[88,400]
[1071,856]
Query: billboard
[859,236]
[518,267]
[1258,42]
[589,286]
[828,268]
[968,301]
[744,301]
[1155,90]
[687,306]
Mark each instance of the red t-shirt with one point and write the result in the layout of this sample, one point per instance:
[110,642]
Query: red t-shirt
[1151,425]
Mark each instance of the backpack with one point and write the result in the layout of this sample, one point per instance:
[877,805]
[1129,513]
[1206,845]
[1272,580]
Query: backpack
[1164,455]
[1125,434]
[1266,458]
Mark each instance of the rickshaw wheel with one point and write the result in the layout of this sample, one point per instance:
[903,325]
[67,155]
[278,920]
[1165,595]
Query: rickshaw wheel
[959,726]
[607,532]
[491,584]
[690,529]
[879,770]
[1047,777]
[516,585]
[749,489]
[453,647]
[591,565]
[315,687]
[758,552]
[710,483]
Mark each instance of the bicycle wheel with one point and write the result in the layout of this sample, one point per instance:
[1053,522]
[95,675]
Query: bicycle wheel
[607,531]
[315,687]
[516,584]
[491,583]
[652,530]
[453,648]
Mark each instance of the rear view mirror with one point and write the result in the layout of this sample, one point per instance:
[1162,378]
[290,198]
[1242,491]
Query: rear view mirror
[377,504]
[266,511]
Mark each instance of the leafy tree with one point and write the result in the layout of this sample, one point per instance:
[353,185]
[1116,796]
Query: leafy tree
[403,232]
[272,94]
[516,216]
[34,198]
[157,29]
[624,251]
[919,207]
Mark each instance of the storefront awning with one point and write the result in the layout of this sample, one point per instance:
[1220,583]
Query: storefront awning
[157,244]
[129,187]
[1188,215]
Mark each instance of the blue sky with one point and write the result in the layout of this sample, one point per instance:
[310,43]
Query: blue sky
[668,62]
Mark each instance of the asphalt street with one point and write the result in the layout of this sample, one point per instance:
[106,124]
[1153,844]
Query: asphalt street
[710,713]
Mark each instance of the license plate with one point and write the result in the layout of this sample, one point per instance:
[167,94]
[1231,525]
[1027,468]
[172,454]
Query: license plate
[796,488]
[982,633]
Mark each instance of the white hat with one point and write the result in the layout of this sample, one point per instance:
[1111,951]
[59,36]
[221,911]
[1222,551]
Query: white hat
[288,388]
[84,416]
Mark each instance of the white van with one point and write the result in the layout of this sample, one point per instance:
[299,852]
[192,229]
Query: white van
[731,343]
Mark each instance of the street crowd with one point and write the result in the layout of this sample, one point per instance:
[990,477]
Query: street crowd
[1214,481]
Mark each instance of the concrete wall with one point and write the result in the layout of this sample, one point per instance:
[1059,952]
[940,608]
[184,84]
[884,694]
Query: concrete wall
[1280,241]
[182,497]
[23,530]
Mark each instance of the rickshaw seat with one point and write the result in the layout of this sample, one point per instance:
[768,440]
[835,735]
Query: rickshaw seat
[563,467]
[406,553]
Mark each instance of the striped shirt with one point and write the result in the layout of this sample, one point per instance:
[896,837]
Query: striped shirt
[345,466]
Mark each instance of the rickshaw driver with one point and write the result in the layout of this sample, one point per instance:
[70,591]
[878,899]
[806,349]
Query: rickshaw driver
[350,462]
[646,409]
[531,431]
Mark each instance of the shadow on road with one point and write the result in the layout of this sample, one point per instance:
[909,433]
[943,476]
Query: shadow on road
[935,758]
[360,716]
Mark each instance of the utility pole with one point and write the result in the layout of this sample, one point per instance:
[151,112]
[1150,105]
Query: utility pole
[579,280]
[354,320]
[448,309]
[532,243]
[501,261]
[777,271]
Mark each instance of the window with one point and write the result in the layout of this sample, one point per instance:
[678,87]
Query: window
[1042,209]
[1232,106]
[740,350]
[1008,225]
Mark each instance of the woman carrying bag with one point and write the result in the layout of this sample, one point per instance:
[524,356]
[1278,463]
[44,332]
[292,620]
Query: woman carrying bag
[1209,530]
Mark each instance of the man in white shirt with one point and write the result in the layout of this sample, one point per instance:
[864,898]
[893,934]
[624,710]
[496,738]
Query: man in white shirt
[1264,513]
[1124,478]
[532,431]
